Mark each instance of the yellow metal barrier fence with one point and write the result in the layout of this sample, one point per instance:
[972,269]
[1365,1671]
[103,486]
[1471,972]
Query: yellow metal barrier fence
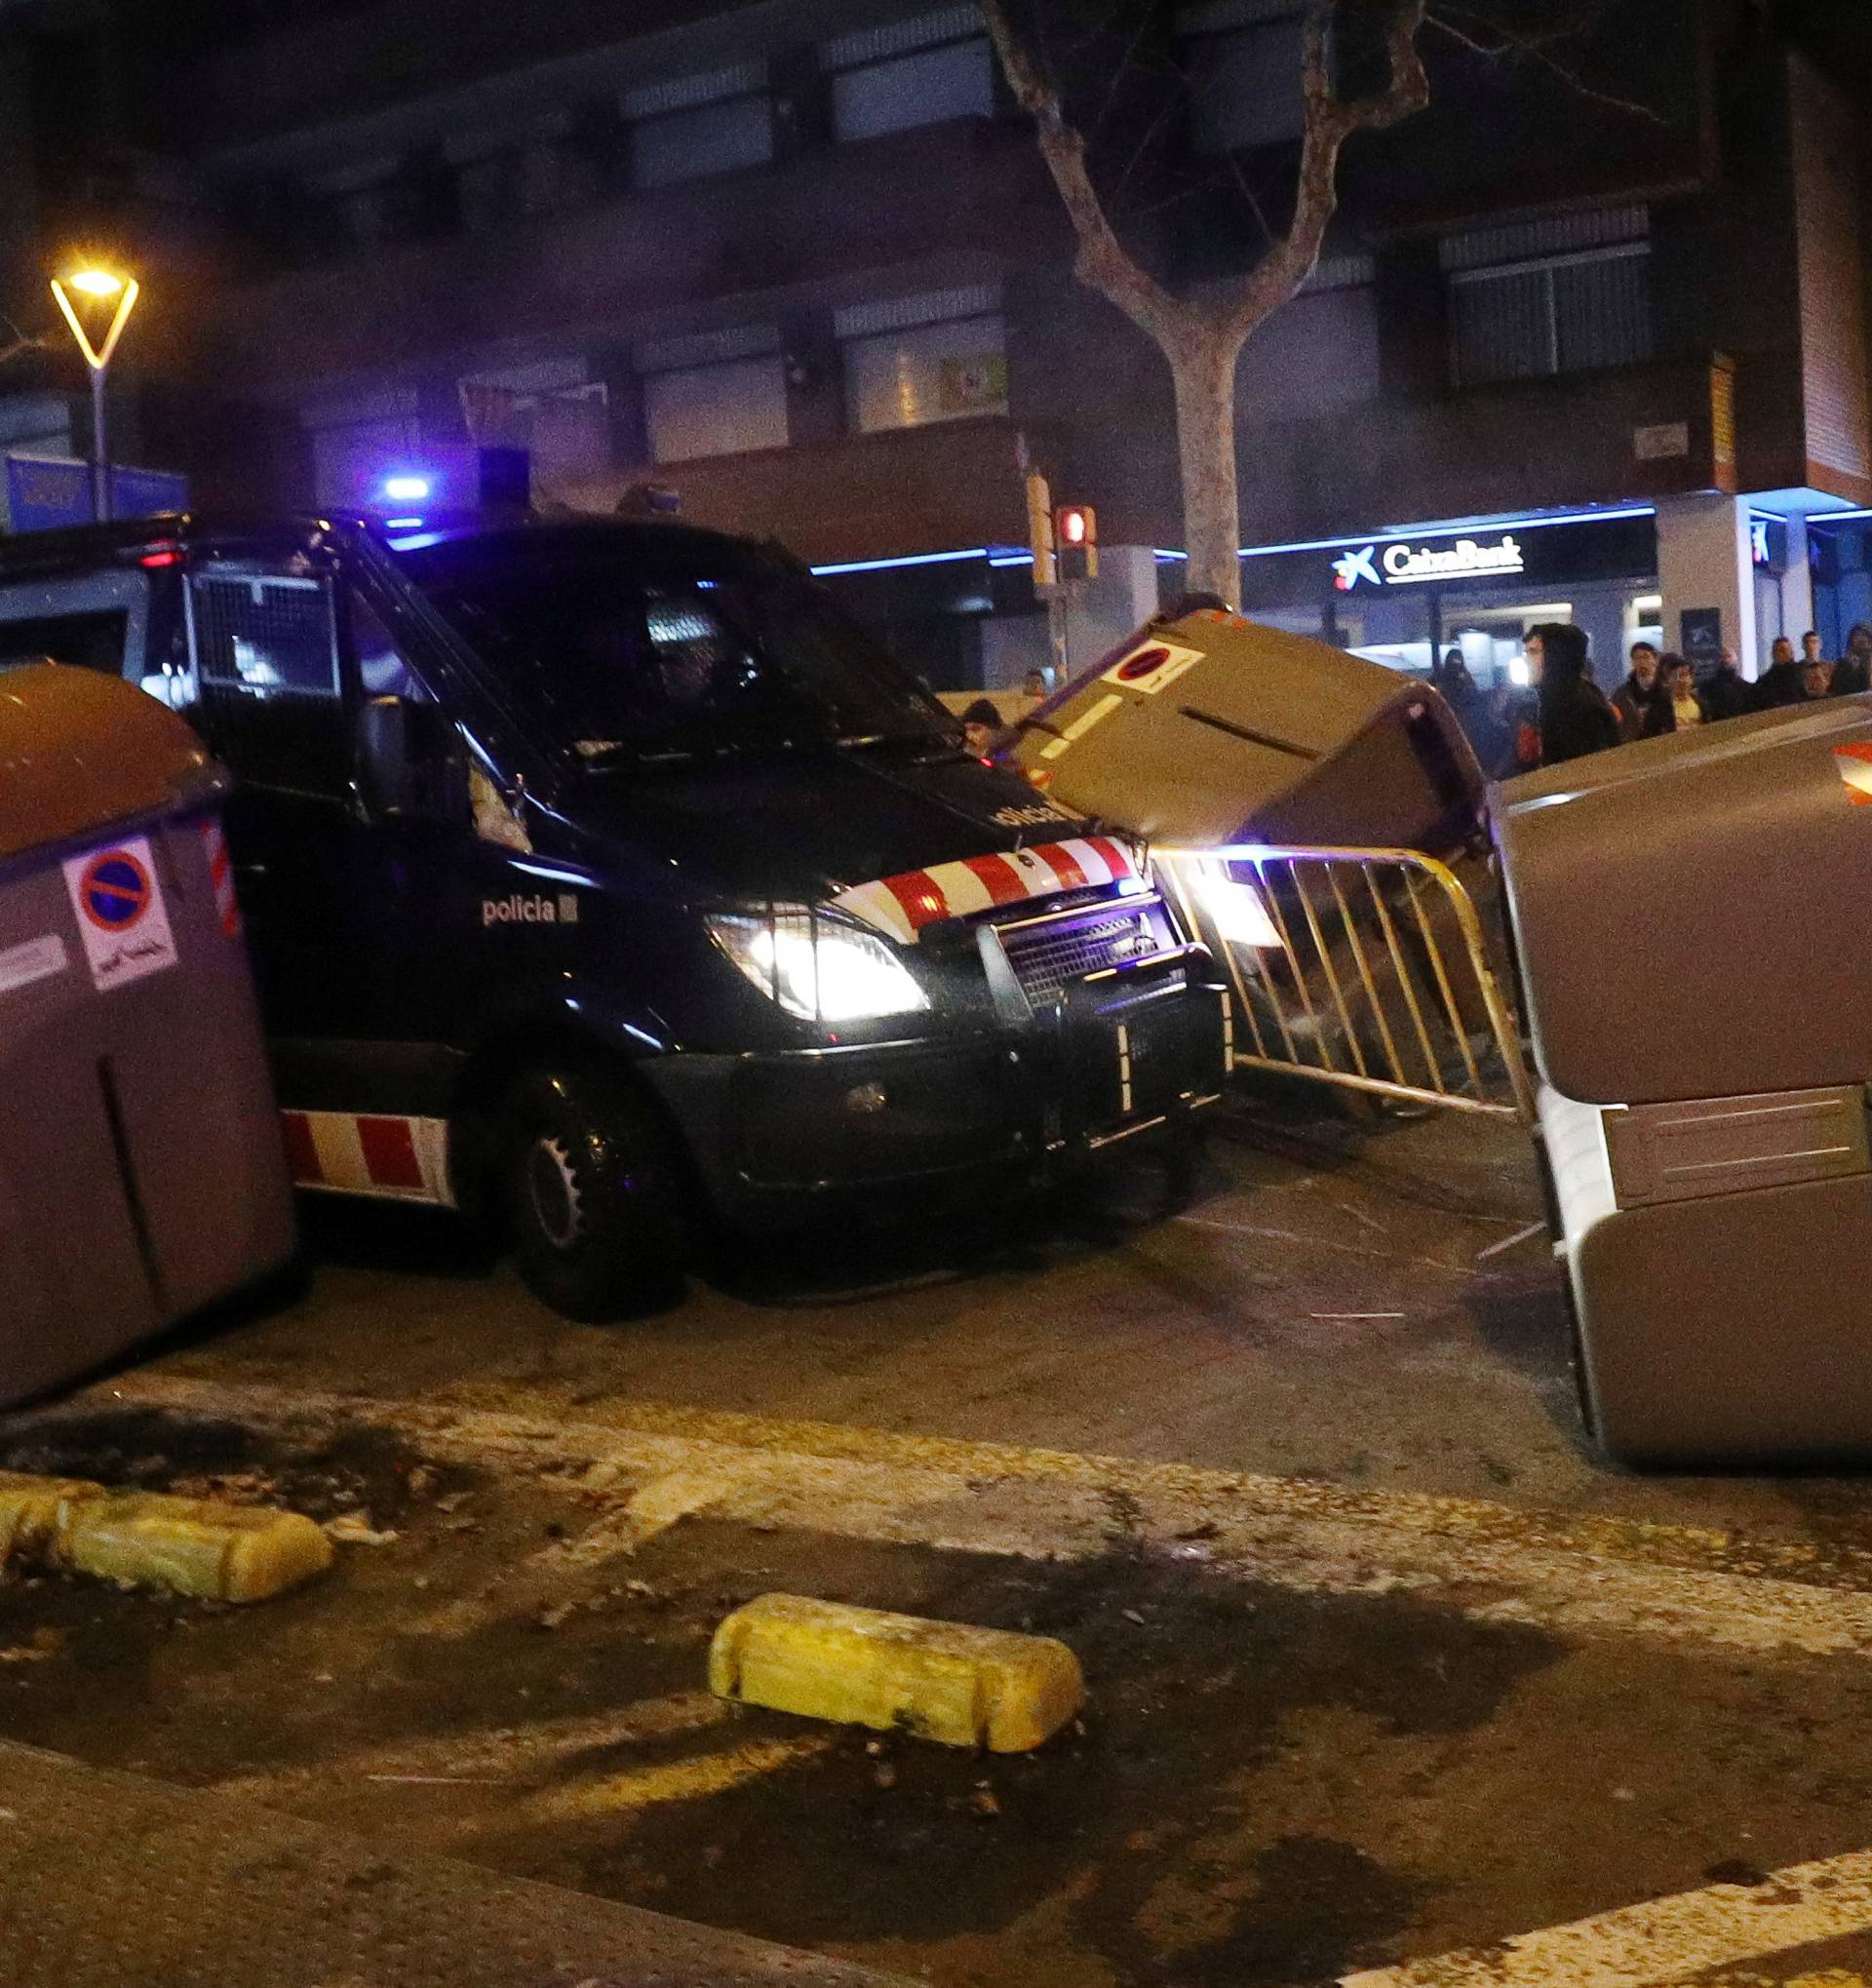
[1364,969]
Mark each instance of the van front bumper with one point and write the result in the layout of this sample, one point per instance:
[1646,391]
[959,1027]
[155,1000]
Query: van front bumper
[1120,1059]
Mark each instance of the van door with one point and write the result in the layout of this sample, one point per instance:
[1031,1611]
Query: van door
[418,878]
[275,704]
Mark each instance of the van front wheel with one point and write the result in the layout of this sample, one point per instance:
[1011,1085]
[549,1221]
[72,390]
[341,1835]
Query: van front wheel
[590,1187]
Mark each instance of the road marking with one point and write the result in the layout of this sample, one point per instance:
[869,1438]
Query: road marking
[1493,1563]
[515,1753]
[1665,1940]
[658,1507]
[1508,1243]
[541,1577]
[673,1780]
[1346,1249]
[1827,1977]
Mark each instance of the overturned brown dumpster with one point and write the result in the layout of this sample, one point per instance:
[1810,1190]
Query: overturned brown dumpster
[1214,730]
[141,1173]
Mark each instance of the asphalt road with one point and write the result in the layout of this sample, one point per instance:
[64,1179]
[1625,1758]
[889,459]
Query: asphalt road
[1384,1664]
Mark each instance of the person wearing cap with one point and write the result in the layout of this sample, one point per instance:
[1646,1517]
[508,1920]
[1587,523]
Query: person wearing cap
[983,728]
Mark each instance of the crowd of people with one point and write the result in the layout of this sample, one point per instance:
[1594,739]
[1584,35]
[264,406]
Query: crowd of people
[1563,713]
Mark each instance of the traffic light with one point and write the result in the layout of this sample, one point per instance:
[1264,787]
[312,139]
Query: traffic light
[1075,534]
[1040,528]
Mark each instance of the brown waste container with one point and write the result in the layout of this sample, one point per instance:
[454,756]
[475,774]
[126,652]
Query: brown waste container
[1212,729]
[1688,918]
[141,1170]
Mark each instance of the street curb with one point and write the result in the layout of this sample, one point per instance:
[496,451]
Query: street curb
[949,1682]
[193,1545]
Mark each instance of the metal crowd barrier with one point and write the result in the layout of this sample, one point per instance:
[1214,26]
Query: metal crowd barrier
[1364,969]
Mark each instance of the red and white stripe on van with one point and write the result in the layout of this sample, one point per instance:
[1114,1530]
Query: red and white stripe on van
[378,1154]
[901,906]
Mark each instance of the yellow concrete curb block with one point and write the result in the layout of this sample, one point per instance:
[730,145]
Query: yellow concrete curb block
[196,1546]
[34,1512]
[944,1681]
[229,1552]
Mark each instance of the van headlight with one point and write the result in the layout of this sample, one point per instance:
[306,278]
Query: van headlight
[818,968]
[1233,909]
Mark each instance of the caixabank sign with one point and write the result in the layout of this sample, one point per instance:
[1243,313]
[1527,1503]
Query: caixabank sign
[1515,554]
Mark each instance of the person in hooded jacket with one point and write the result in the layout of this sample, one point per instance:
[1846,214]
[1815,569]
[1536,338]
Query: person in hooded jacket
[1574,717]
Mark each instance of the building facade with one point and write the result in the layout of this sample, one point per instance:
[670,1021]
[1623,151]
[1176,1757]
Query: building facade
[1588,343]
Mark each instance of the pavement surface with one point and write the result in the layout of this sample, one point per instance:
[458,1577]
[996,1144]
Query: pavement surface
[1389,1677]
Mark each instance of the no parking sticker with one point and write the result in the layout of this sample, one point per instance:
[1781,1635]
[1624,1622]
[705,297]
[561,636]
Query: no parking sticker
[1152,666]
[122,918]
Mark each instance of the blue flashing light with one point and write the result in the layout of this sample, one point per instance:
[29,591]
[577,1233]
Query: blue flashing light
[405,489]
[402,523]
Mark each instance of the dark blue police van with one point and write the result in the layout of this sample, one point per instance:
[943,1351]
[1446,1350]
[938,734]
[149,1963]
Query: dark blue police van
[600,873]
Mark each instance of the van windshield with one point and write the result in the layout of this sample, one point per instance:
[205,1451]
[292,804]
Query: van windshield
[677,654]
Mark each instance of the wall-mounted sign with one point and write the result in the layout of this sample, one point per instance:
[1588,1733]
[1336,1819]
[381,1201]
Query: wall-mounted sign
[1414,566]
[41,493]
[1767,544]
[1495,560]
[970,383]
[1700,632]
[1662,443]
[1721,423]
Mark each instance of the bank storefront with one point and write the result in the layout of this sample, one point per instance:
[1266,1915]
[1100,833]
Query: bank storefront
[1404,598]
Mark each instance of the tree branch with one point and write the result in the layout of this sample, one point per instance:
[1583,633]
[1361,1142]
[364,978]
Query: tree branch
[1535,48]
[1329,120]
[1103,263]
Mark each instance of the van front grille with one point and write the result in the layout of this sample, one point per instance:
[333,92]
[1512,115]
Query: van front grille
[1047,954]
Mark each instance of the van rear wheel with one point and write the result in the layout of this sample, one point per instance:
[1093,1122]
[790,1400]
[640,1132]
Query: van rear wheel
[590,1184]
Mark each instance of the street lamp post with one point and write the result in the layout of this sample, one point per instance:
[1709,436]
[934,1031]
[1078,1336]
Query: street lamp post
[101,285]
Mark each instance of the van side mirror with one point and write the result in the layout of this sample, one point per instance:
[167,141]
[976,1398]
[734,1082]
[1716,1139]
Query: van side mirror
[410,759]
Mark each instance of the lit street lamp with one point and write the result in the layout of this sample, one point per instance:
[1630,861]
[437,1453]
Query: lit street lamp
[101,285]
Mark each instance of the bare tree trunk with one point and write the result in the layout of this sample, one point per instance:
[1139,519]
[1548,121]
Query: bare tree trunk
[1203,370]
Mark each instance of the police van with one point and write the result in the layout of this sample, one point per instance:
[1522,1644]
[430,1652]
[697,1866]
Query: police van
[601,875]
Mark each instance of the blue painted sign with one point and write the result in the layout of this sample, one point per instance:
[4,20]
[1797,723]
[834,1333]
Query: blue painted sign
[46,492]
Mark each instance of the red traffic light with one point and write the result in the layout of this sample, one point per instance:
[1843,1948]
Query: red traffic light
[1075,534]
